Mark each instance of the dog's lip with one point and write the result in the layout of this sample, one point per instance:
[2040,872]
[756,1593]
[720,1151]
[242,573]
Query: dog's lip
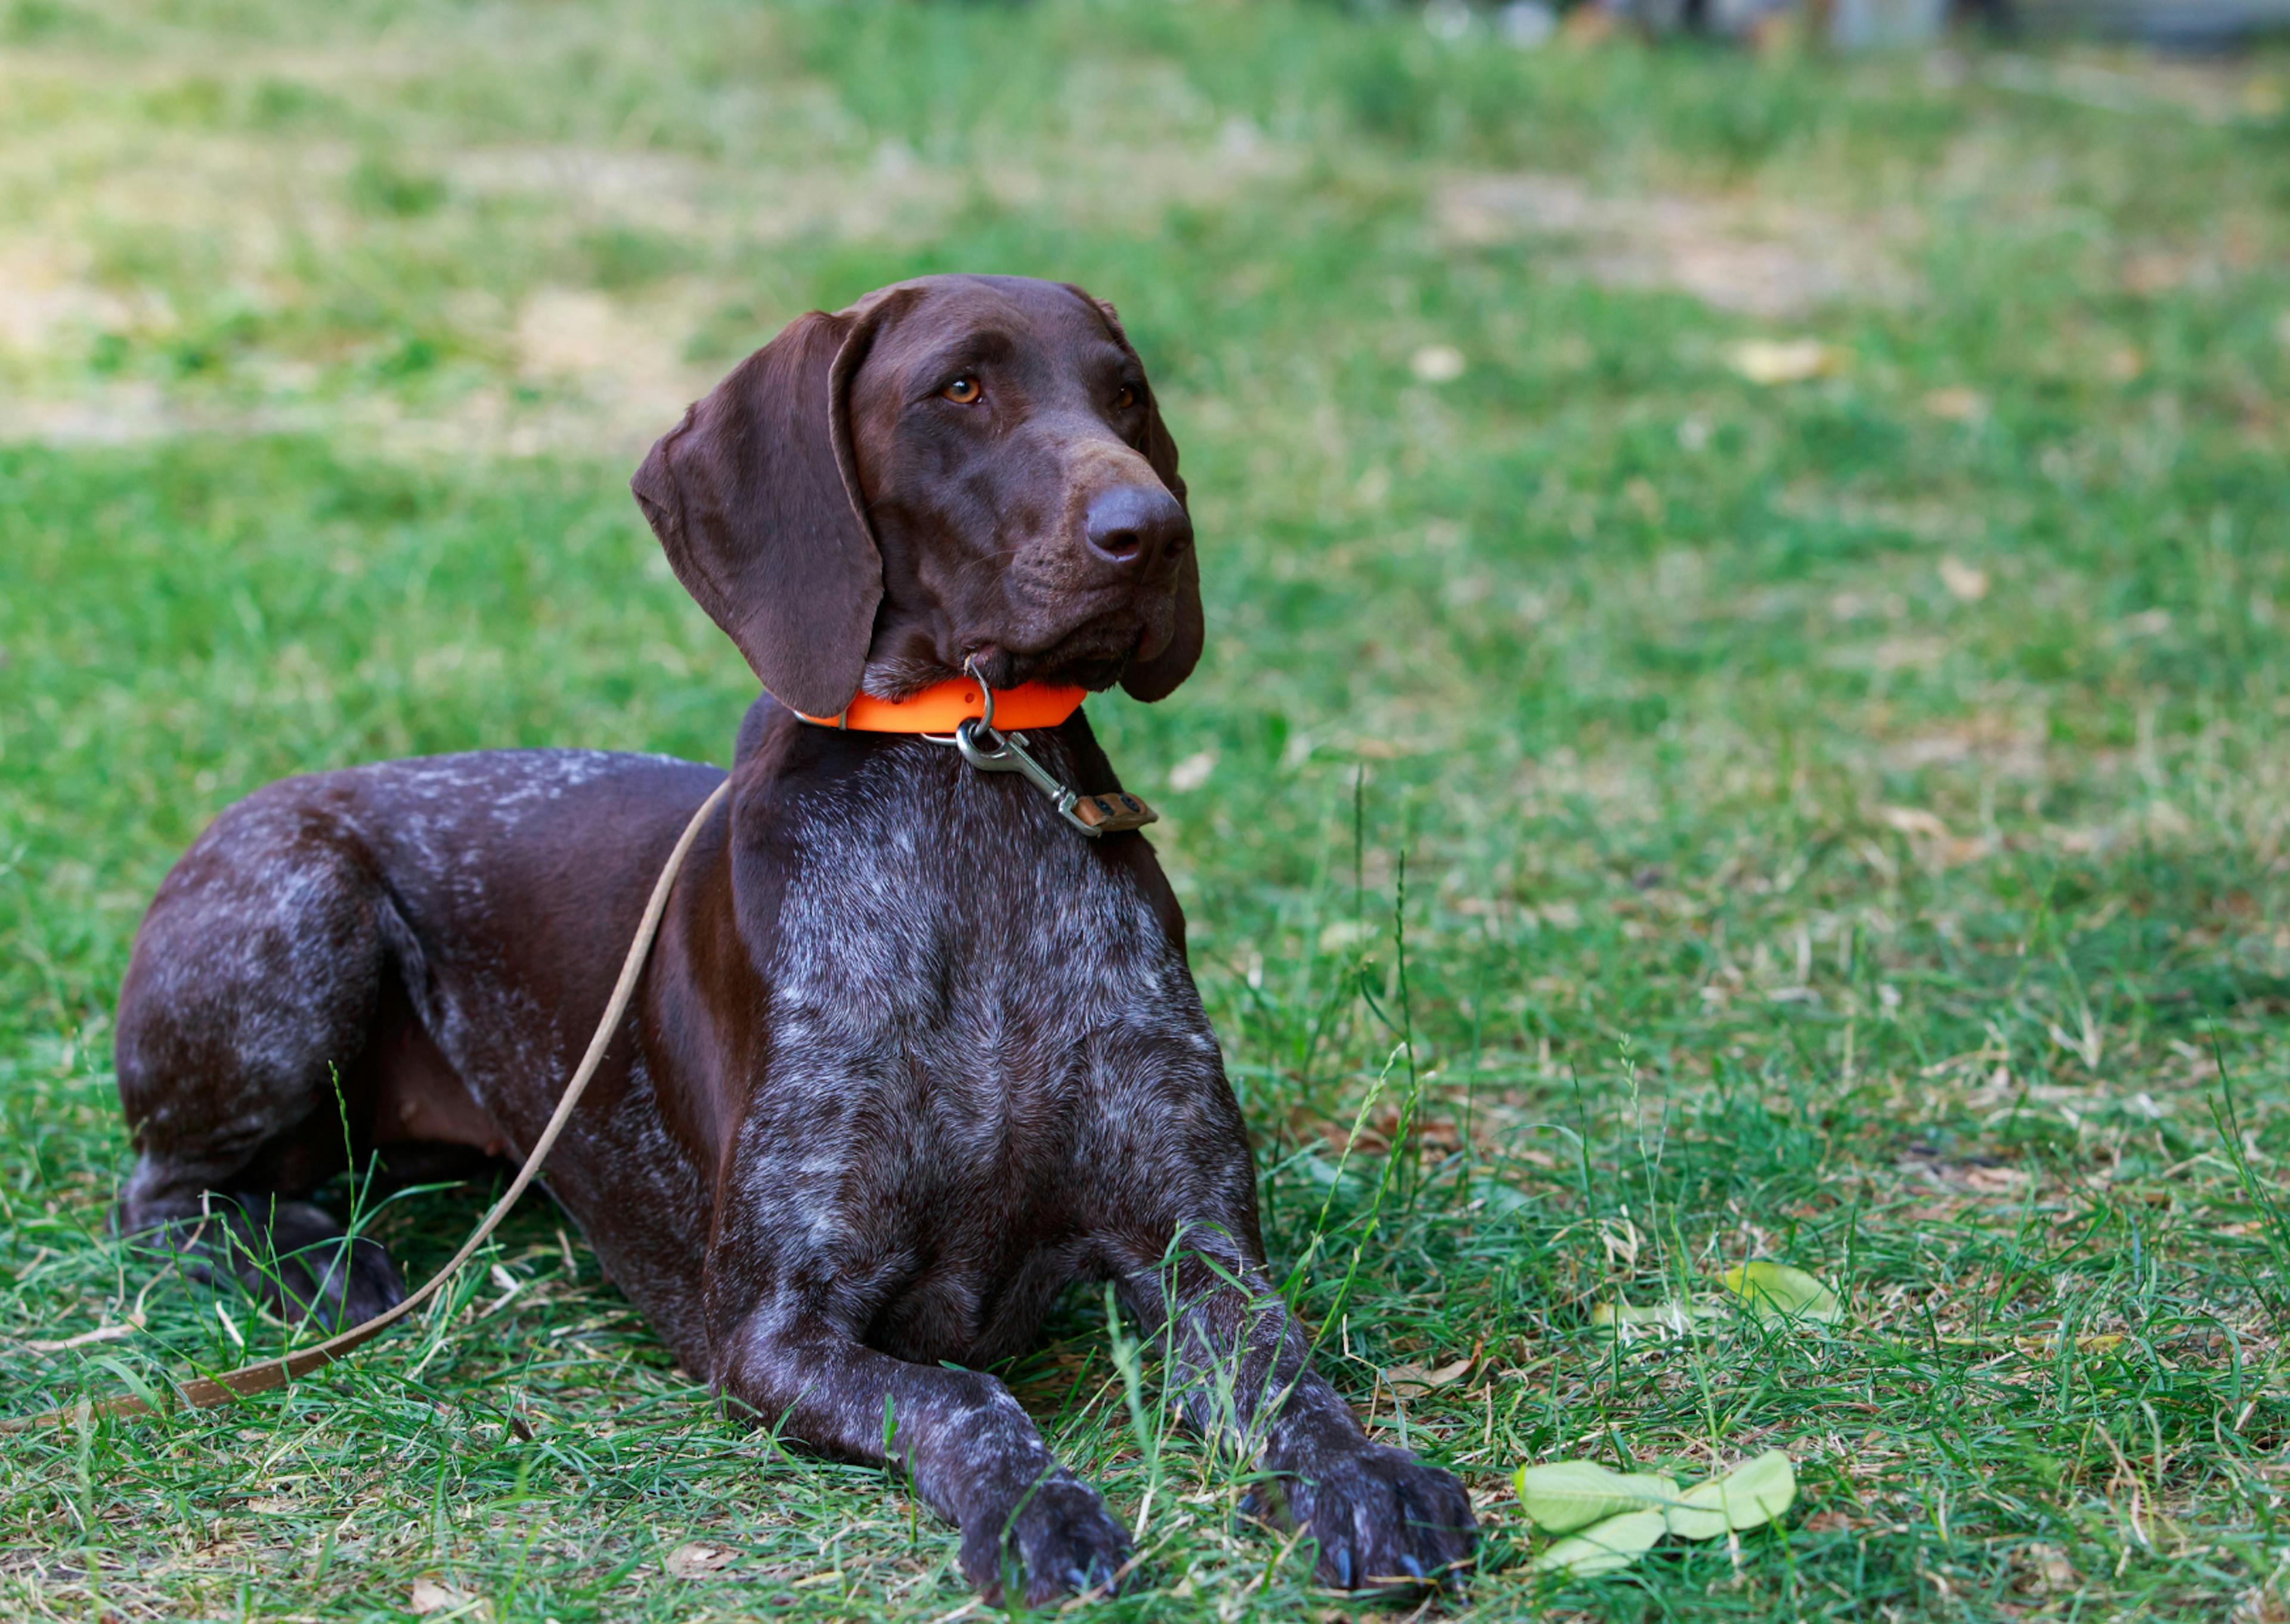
[1095,665]
[1112,630]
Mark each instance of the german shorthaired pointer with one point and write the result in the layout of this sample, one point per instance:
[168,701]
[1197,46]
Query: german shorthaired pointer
[912,1053]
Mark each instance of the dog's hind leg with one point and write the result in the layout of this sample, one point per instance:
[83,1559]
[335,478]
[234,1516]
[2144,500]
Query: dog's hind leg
[290,1255]
[248,1004]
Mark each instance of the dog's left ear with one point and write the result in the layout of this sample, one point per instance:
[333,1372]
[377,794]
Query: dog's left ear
[756,500]
[1158,678]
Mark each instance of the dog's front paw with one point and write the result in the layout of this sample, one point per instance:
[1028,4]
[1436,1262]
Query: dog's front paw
[1059,1541]
[1383,1519]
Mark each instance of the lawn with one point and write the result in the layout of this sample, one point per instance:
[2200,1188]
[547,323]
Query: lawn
[1745,718]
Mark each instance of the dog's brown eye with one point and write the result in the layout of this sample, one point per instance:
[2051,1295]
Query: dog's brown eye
[962,391]
[1126,399]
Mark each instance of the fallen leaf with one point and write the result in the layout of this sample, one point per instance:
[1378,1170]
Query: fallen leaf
[1190,773]
[1956,404]
[1996,1181]
[1750,1496]
[698,1559]
[1776,1288]
[1772,361]
[2048,1347]
[2051,1566]
[1621,1515]
[1436,364]
[430,1597]
[1447,1373]
[1566,1495]
[1963,581]
[1604,1547]
[1409,1379]
[1678,1318]
[1913,820]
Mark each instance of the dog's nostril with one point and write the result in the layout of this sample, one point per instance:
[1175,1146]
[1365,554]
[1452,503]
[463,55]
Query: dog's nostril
[1134,525]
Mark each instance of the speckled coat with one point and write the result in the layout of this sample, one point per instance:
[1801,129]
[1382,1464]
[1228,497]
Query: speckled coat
[910,1056]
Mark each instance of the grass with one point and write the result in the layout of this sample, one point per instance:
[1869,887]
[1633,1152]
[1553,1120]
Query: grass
[1840,820]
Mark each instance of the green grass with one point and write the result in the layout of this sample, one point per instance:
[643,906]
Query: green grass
[1845,821]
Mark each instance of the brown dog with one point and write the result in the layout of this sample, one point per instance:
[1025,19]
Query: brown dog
[911,1054]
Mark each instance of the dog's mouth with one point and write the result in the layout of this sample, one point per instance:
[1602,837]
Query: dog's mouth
[1078,662]
[1092,655]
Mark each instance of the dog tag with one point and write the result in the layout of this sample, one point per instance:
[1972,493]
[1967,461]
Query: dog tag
[1113,813]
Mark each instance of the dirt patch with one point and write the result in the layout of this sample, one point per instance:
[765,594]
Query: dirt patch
[613,365]
[43,302]
[1743,255]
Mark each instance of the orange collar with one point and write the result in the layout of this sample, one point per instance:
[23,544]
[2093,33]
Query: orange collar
[943,707]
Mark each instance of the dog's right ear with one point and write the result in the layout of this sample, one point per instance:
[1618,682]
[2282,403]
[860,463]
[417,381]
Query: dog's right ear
[756,500]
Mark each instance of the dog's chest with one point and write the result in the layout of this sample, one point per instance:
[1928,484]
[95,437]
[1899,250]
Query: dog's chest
[948,918]
[972,1012]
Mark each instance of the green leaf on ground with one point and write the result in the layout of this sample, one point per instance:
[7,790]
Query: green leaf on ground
[1566,1495]
[1678,1318]
[1750,1496]
[1776,1288]
[1623,1514]
[1605,1547]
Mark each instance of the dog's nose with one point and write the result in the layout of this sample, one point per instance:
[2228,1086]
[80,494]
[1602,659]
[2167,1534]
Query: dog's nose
[1137,527]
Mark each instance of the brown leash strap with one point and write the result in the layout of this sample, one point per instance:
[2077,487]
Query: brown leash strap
[265,1374]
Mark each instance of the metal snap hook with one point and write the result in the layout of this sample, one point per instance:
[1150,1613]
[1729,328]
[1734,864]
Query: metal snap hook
[997,758]
[991,751]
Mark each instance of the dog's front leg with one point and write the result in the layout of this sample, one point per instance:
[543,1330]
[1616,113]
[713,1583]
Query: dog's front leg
[974,1455]
[1241,1364]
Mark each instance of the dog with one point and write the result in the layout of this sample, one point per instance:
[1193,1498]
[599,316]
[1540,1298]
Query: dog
[912,1054]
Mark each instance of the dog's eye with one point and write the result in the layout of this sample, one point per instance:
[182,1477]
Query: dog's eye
[1126,399]
[962,391]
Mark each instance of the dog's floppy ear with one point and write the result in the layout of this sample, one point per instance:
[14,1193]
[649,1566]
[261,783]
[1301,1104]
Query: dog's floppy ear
[1158,678]
[756,500]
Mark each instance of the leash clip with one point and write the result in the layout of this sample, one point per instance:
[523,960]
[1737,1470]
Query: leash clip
[989,750]
[1006,752]
[1093,815]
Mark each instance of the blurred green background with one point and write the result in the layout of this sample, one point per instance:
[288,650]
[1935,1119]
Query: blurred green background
[1747,605]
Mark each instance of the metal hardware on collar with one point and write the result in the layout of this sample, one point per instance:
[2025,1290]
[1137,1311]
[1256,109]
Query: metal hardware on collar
[1093,815]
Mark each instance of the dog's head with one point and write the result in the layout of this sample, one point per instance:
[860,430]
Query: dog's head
[956,469]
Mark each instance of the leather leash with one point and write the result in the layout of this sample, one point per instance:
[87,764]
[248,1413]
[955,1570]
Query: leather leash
[264,1374]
